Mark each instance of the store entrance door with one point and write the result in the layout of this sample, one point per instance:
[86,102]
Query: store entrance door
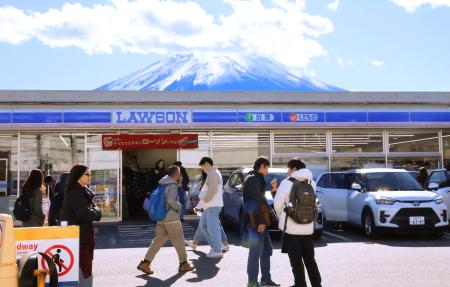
[140,176]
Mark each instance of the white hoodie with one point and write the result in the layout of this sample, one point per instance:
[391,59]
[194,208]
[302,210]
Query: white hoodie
[281,200]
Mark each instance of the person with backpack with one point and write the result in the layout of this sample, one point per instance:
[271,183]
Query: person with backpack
[169,225]
[295,205]
[31,200]
[79,209]
[257,209]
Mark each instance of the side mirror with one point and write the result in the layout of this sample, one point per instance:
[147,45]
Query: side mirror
[356,186]
[433,185]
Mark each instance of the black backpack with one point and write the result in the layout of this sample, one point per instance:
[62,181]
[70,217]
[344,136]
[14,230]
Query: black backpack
[302,202]
[22,210]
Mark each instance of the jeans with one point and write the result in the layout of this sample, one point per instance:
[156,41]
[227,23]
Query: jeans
[300,249]
[182,200]
[260,250]
[200,234]
[210,226]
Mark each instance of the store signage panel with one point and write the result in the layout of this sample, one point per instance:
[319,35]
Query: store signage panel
[303,116]
[86,116]
[165,116]
[259,116]
[437,116]
[147,141]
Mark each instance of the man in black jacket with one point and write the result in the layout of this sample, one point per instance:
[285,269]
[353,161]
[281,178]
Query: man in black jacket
[255,205]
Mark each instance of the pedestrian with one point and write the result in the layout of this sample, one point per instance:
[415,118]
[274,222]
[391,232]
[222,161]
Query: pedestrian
[409,166]
[297,239]
[79,209]
[213,203]
[156,174]
[32,191]
[183,188]
[168,228]
[423,176]
[200,233]
[49,183]
[257,209]
[58,199]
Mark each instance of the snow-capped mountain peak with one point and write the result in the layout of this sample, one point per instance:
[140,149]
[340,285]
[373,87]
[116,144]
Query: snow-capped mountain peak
[230,72]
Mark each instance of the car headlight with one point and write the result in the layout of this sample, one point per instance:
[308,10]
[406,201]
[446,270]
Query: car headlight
[439,200]
[384,201]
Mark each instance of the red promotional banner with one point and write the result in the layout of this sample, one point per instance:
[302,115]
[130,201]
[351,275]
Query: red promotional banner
[126,142]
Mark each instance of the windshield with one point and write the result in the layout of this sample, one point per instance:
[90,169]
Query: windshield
[268,179]
[389,181]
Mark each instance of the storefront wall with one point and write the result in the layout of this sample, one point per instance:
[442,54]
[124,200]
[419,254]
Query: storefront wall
[322,149]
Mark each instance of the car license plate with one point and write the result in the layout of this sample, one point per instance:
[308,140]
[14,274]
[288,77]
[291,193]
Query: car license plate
[417,220]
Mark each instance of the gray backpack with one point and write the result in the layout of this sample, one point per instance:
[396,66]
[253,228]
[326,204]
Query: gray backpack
[302,202]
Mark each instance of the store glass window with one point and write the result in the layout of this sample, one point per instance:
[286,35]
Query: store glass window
[8,172]
[413,141]
[105,170]
[416,162]
[299,142]
[446,148]
[316,165]
[54,154]
[348,163]
[231,150]
[344,142]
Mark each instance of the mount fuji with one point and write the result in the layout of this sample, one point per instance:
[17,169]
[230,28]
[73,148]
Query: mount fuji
[184,72]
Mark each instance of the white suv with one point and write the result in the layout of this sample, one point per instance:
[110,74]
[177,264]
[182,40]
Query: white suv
[381,199]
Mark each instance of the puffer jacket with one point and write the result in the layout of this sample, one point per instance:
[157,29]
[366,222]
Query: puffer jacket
[281,200]
[171,194]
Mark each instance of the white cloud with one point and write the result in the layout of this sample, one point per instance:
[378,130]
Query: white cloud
[344,63]
[412,5]
[333,6]
[377,63]
[284,32]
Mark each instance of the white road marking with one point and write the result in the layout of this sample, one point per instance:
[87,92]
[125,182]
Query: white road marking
[337,236]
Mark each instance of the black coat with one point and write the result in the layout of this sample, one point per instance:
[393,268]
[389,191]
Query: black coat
[254,197]
[79,209]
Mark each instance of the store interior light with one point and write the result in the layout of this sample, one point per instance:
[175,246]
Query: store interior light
[64,141]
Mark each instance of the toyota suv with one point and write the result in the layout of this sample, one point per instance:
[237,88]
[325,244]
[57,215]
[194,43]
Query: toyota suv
[381,200]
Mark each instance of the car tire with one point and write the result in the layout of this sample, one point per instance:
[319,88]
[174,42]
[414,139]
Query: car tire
[368,224]
[437,234]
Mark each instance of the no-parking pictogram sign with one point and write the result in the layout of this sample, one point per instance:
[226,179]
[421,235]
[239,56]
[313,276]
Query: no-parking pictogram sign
[63,258]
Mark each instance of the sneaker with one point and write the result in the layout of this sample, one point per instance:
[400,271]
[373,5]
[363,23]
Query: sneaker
[191,244]
[185,267]
[269,283]
[213,254]
[253,284]
[144,266]
[225,247]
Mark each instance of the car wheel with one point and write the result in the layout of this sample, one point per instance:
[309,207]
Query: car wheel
[370,230]
[437,234]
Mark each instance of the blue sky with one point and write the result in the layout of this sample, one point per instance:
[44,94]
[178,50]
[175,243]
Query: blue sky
[359,45]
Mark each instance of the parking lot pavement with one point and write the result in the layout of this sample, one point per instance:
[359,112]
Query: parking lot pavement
[345,258]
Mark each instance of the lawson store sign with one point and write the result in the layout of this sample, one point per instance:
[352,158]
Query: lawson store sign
[210,117]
